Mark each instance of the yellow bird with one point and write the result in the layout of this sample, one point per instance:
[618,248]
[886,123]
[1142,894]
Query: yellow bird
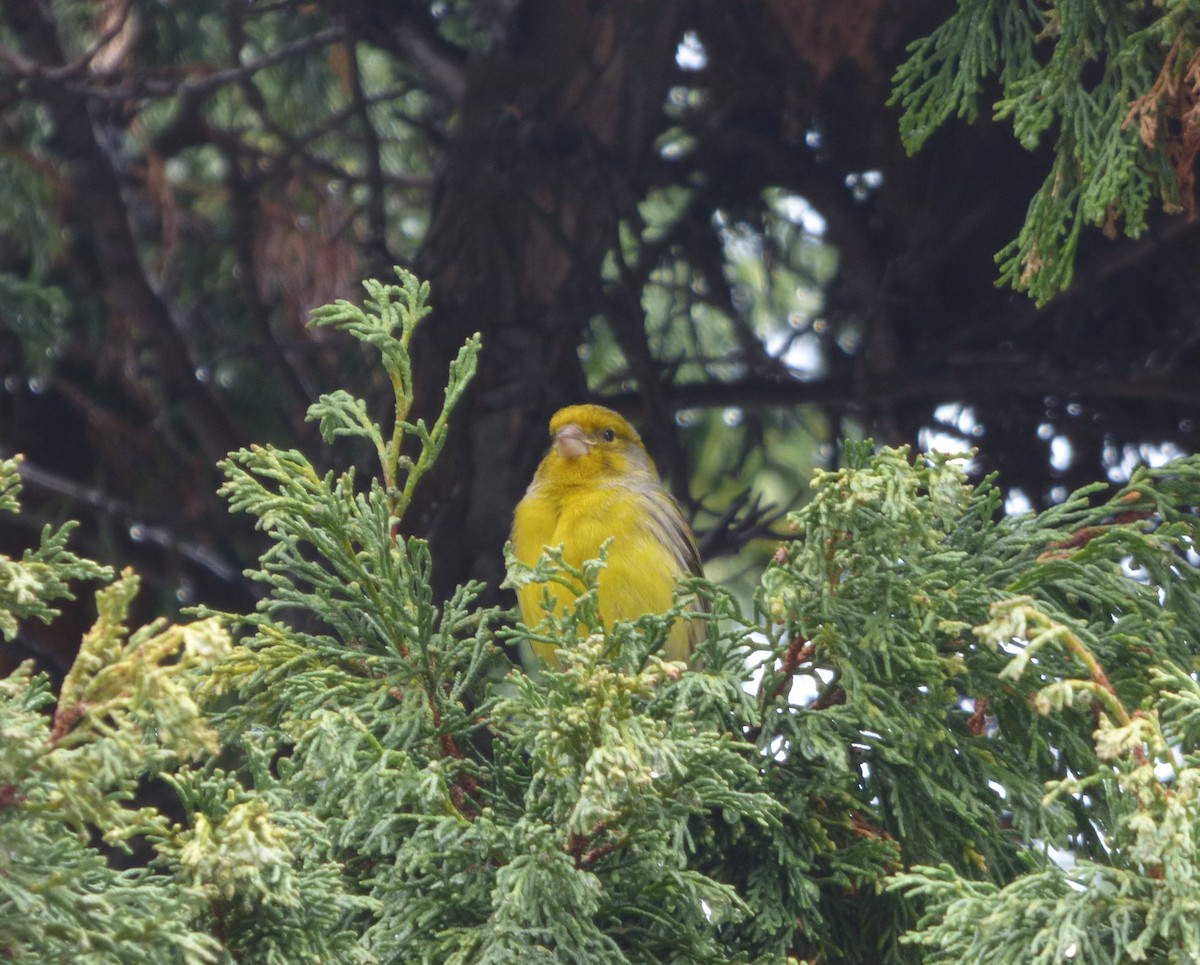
[598,482]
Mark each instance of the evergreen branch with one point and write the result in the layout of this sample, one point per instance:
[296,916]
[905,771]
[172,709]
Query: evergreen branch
[391,316]
[462,370]
[945,72]
[29,586]
[927,685]
[1082,69]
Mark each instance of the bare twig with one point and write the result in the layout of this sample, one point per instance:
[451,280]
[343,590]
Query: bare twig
[99,502]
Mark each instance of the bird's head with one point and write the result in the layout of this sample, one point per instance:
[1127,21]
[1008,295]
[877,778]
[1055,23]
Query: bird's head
[592,444]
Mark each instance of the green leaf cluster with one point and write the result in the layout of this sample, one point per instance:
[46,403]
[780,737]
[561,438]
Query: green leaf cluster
[72,829]
[1138,901]
[944,734]
[30,586]
[1069,70]
[482,814]
[998,682]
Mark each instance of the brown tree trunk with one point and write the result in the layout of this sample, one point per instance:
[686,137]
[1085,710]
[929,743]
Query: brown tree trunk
[557,130]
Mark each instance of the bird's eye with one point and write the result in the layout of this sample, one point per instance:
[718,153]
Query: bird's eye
[609,435]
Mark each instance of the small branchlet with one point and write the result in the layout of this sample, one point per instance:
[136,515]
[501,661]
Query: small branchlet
[387,323]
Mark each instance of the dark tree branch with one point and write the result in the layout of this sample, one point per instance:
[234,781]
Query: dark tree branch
[244,208]
[98,502]
[409,31]
[744,520]
[965,384]
[15,64]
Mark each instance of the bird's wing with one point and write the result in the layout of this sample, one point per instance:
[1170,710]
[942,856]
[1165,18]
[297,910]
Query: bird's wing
[672,529]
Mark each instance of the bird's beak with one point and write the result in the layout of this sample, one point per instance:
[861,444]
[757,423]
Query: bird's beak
[570,442]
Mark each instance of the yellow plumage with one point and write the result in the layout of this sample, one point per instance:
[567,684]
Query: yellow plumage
[597,482]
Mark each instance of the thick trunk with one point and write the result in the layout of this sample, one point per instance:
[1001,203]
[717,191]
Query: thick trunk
[555,131]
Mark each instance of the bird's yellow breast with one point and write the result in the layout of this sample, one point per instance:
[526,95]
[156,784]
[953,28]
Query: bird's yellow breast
[641,572]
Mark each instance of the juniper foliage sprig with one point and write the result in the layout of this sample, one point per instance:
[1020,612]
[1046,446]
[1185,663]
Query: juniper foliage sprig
[1131,666]
[1098,78]
[69,783]
[387,322]
[370,689]
[558,816]
[349,617]
[874,768]
[30,586]
[961,663]
[1137,902]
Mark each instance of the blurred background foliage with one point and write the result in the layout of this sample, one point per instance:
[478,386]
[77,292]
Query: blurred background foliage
[700,213]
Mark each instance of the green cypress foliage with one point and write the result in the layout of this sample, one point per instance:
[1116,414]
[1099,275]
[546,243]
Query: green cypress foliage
[1107,82]
[942,734]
